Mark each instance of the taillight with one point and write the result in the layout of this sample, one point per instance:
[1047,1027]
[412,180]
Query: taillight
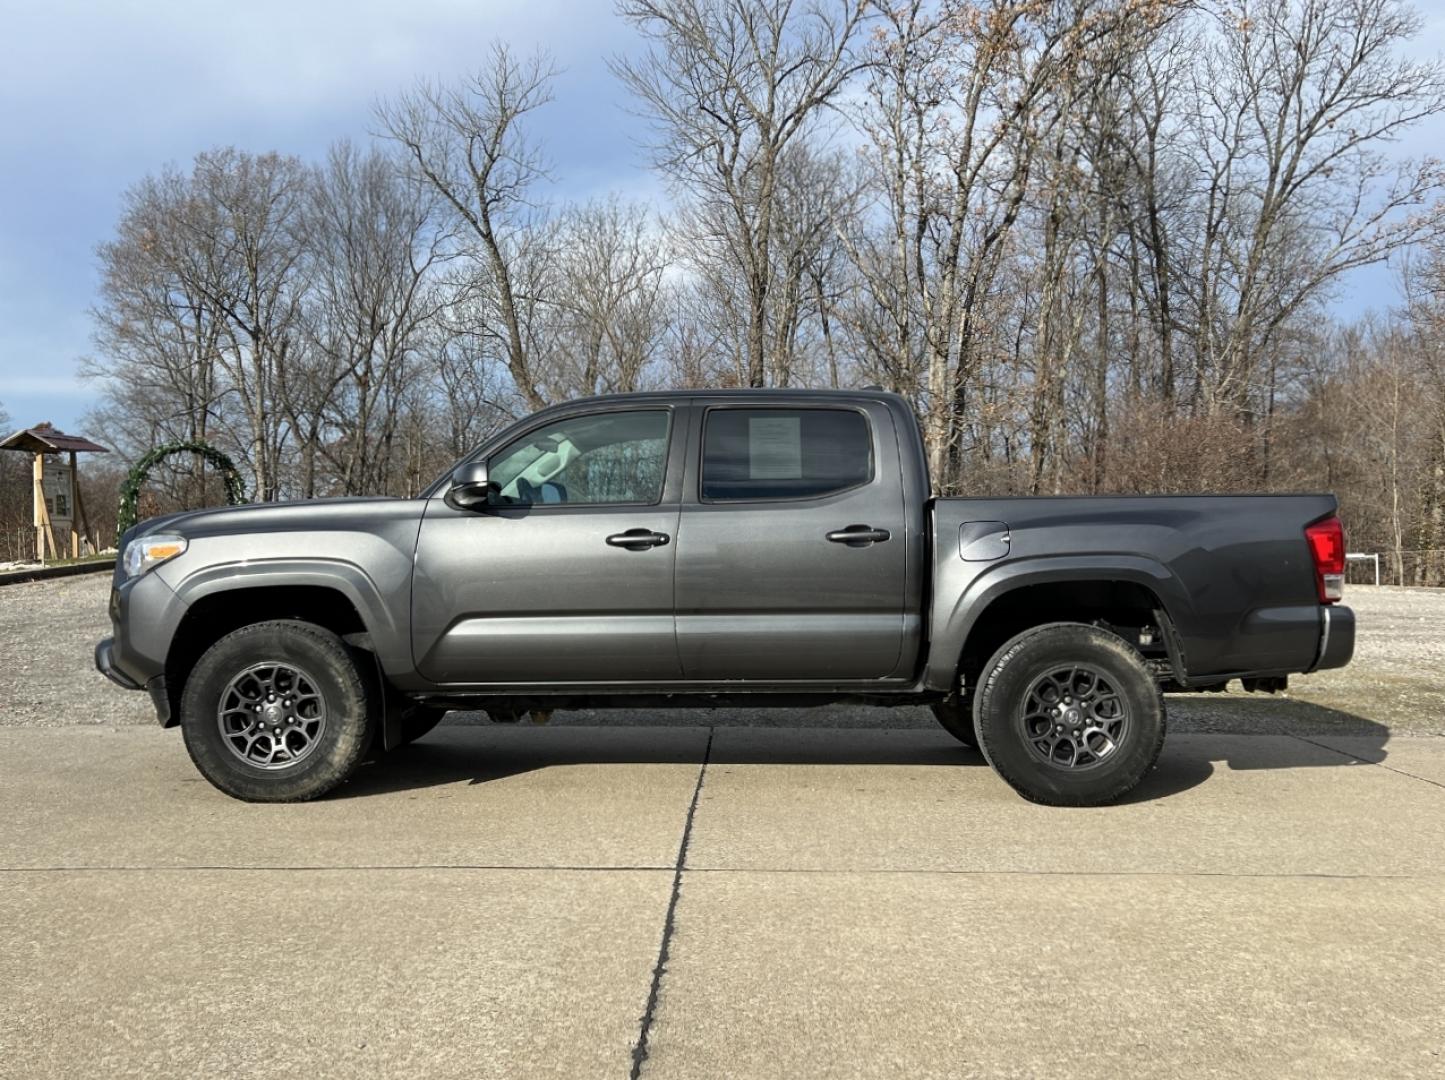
[1327,547]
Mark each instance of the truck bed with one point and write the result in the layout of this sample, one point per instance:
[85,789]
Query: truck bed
[1233,572]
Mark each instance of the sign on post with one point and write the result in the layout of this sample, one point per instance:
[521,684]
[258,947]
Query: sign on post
[58,513]
[58,491]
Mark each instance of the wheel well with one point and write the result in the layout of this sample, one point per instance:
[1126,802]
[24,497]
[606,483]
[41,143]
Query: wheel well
[1124,607]
[214,616]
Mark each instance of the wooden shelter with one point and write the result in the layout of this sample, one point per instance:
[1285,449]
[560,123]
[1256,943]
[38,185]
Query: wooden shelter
[58,507]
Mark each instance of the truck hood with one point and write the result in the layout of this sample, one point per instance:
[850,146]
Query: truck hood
[301,514]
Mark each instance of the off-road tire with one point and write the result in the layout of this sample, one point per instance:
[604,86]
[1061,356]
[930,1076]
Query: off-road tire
[999,710]
[351,704]
[955,716]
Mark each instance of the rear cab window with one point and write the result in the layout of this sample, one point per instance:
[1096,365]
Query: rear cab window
[781,453]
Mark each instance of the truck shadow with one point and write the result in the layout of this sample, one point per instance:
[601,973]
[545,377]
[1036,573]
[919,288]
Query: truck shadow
[1241,735]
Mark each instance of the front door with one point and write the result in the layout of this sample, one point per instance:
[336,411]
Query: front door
[568,576]
[793,544]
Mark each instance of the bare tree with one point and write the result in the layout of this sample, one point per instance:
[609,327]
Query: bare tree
[157,330]
[730,85]
[1425,310]
[608,312]
[1295,98]
[1094,241]
[372,243]
[239,246]
[467,142]
[220,247]
[956,114]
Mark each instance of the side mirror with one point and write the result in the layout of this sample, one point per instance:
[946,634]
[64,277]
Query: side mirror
[470,490]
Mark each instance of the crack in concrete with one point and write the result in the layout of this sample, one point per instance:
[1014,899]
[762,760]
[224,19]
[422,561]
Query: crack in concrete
[669,924]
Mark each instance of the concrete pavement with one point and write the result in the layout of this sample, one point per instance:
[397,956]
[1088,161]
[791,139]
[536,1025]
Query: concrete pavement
[830,903]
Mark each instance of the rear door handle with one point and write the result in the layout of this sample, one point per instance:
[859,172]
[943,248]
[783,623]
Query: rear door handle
[638,539]
[859,535]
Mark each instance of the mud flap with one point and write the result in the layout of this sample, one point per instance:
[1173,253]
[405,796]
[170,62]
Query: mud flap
[393,706]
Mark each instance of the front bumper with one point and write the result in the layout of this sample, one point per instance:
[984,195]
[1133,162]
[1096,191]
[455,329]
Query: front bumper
[155,686]
[105,664]
[145,615]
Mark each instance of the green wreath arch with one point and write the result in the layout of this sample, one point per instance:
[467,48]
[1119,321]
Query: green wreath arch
[130,490]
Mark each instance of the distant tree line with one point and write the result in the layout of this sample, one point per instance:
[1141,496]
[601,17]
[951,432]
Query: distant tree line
[1094,241]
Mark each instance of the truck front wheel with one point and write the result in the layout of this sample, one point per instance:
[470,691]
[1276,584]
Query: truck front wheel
[1069,715]
[278,712]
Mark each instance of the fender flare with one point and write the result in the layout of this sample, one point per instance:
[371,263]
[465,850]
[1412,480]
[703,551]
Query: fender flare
[952,628]
[389,641]
[388,644]
[337,574]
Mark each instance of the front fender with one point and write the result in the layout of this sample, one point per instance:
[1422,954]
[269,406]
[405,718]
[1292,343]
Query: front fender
[975,586]
[376,601]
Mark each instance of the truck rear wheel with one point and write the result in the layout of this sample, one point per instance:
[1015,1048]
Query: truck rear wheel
[955,716]
[278,712]
[1069,715]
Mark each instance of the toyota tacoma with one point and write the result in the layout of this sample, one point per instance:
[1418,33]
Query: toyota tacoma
[717,548]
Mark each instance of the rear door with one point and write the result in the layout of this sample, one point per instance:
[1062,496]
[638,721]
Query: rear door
[792,548]
[568,576]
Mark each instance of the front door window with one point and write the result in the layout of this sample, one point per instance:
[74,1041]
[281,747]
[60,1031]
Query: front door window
[602,459]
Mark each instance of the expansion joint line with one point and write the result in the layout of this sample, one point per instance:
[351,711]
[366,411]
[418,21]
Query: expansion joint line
[1367,761]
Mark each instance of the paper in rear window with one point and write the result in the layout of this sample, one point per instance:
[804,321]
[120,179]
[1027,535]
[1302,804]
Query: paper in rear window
[775,448]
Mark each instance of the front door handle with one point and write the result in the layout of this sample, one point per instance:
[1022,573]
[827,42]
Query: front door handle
[638,539]
[859,535]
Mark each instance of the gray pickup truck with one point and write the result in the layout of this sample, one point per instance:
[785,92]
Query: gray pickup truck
[714,548]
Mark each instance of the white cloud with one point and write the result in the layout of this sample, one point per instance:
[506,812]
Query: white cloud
[15,387]
[125,70]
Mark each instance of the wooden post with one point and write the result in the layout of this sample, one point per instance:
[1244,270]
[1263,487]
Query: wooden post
[87,538]
[38,471]
[44,531]
[74,516]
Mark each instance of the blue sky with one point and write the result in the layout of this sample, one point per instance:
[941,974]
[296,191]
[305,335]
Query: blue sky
[95,95]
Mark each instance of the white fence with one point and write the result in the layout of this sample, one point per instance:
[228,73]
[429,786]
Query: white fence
[1395,568]
[1356,556]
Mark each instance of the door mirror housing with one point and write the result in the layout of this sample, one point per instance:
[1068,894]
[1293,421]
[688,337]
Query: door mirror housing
[470,488]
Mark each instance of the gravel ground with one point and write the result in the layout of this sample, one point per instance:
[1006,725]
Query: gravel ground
[48,630]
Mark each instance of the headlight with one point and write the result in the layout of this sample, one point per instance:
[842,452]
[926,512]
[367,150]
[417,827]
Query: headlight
[148,551]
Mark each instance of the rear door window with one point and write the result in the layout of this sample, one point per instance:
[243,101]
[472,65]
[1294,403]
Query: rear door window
[752,454]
